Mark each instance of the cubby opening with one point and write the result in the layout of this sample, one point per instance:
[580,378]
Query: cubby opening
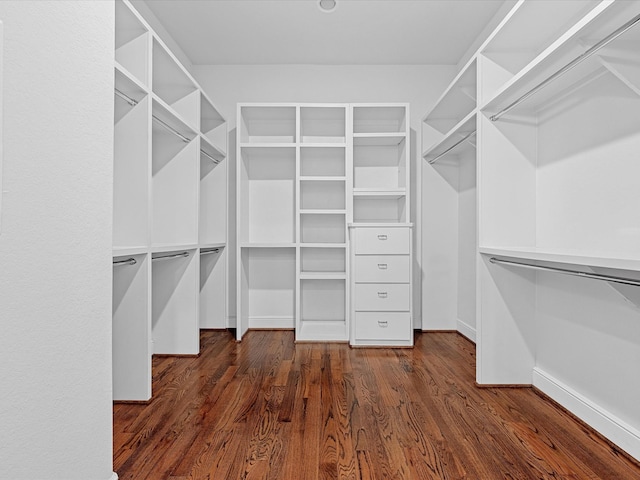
[174,300]
[322,195]
[131,43]
[265,124]
[267,287]
[131,345]
[267,202]
[213,201]
[379,167]
[322,228]
[213,126]
[368,209]
[131,167]
[322,260]
[320,124]
[379,119]
[172,84]
[213,288]
[174,188]
[458,101]
[322,162]
[322,300]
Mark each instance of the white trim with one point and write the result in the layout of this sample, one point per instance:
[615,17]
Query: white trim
[272,323]
[616,430]
[114,476]
[467,330]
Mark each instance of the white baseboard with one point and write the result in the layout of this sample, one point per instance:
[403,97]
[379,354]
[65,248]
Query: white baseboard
[617,431]
[114,476]
[466,330]
[272,323]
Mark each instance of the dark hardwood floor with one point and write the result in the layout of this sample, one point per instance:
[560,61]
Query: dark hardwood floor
[267,408]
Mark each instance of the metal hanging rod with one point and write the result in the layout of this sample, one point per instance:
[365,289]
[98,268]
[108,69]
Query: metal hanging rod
[453,146]
[133,103]
[609,38]
[173,255]
[214,160]
[171,129]
[596,276]
[128,261]
[126,98]
[207,252]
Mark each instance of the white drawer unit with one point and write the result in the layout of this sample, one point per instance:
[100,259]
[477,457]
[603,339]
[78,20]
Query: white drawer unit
[382,268]
[382,240]
[381,285]
[388,326]
[372,297]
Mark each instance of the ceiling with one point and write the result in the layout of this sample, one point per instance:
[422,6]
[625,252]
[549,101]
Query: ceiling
[365,32]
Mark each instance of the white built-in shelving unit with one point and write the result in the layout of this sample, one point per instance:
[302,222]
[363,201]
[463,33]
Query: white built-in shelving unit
[169,219]
[306,172]
[557,258]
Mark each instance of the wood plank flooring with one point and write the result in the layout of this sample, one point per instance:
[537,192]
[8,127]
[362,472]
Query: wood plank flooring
[267,408]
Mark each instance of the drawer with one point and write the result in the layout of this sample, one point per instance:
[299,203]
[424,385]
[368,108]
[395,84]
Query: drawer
[383,326]
[382,240]
[382,268]
[375,297]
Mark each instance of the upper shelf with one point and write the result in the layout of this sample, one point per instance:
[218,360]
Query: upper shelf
[457,101]
[264,124]
[574,61]
[454,140]
[379,119]
[592,259]
[131,42]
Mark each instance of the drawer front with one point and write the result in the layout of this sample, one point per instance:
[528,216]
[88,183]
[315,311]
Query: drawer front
[382,268]
[380,297]
[383,326]
[382,240]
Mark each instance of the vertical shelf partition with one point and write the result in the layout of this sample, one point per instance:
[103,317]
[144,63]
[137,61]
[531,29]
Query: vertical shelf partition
[170,187]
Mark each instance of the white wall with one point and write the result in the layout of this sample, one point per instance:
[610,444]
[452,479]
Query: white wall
[55,244]
[420,85]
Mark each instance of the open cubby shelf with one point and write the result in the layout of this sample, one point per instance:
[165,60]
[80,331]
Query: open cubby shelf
[296,194]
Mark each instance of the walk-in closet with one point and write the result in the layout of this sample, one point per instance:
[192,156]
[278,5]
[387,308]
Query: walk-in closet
[320,239]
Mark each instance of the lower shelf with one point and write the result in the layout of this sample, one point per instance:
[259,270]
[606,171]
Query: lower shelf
[322,331]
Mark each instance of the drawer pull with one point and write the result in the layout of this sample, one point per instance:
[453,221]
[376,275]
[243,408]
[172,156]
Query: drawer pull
[382,266]
[382,237]
[383,323]
[382,294]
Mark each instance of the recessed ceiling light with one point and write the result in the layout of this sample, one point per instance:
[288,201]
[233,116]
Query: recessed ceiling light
[327,6]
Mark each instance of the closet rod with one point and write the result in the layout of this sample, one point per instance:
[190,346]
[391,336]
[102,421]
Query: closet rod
[171,129]
[209,157]
[595,276]
[133,103]
[128,261]
[174,255]
[452,146]
[609,38]
[126,97]
[207,252]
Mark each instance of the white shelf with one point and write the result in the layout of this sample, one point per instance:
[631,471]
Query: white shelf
[173,248]
[327,178]
[131,42]
[457,102]
[372,193]
[588,259]
[595,26]
[453,141]
[268,245]
[166,114]
[210,149]
[132,250]
[323,276]
[378,139]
